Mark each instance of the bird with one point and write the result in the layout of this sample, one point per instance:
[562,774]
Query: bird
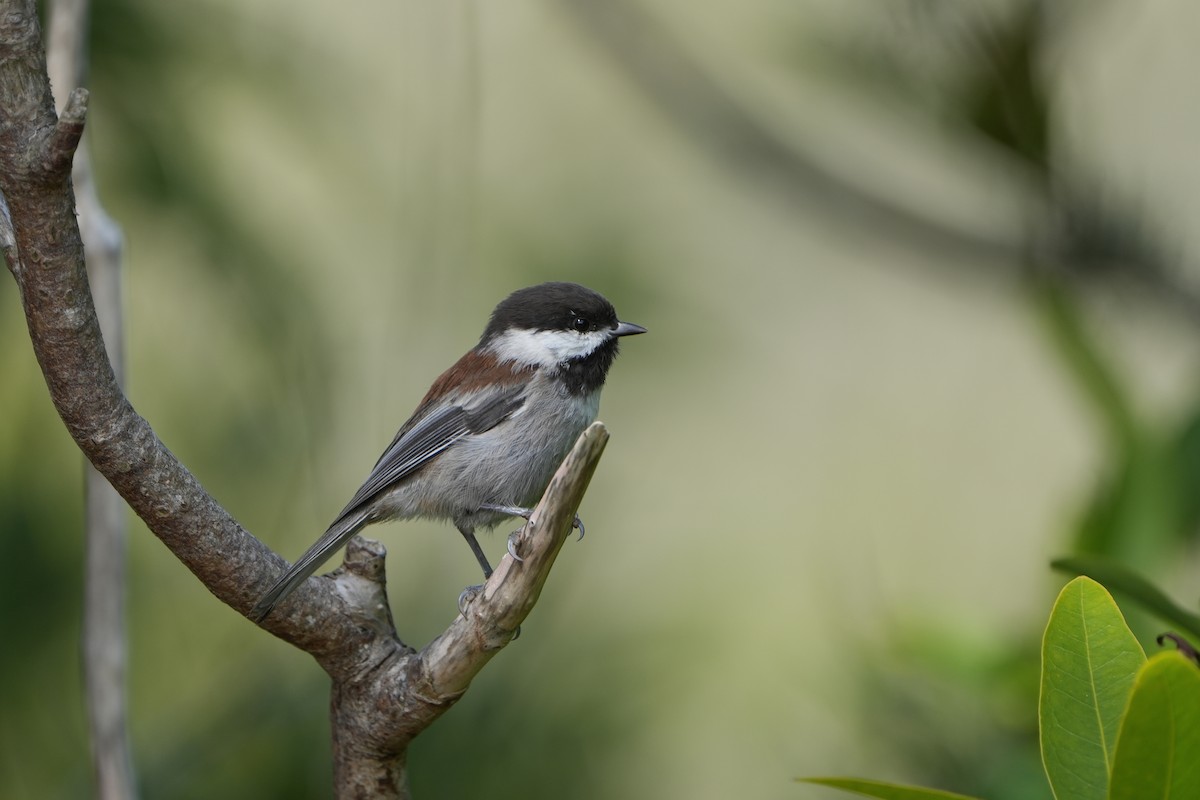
[487,437]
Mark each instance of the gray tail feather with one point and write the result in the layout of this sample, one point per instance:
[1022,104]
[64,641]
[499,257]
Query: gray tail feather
[329,543]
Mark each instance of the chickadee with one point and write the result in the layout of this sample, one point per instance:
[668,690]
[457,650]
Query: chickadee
[486,439]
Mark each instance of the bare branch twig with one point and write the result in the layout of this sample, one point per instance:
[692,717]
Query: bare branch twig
[104,641]
[410,690]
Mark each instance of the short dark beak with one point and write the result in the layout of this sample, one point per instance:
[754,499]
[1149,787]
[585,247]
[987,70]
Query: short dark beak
[628,329]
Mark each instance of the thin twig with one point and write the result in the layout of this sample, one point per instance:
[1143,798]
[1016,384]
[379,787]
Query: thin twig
[407,691]
[104,640]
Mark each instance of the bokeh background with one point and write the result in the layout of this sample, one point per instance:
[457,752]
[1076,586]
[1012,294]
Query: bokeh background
[921,290]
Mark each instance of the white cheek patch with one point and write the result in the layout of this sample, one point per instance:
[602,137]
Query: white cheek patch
[546,348]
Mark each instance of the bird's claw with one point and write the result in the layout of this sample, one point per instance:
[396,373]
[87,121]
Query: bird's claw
[512,546]
[578,524]
[466,597]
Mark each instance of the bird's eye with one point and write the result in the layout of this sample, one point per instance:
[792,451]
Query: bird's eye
[580,324]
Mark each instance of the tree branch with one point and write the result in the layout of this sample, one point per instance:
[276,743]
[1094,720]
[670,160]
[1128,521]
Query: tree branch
[409,690]
[104,641]
[455,657]
[384,693]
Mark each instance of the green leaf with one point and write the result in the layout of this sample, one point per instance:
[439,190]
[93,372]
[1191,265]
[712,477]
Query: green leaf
[1127,582]
[1089,660]
[1158,751]
[886,791]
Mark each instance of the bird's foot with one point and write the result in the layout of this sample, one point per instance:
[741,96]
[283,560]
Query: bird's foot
[512,546]
[467,597]
[510,511]
[525,514]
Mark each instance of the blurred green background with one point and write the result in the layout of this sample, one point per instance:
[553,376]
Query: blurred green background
[841,459]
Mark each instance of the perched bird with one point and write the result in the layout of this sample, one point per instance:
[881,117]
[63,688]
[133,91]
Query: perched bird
[492,430]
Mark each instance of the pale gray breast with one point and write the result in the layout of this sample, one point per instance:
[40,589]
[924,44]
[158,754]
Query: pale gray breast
[512,463]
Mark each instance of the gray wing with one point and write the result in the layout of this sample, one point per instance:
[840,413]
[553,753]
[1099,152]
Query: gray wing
[415,445]
[418,444]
